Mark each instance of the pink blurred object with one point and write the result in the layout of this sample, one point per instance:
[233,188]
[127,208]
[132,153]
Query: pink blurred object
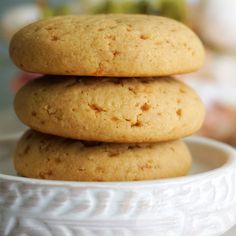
[22,79]
[220,123]
[216,85]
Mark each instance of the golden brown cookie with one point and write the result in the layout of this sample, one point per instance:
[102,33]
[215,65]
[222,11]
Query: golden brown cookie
[107,45]
[49,157]
[110,109]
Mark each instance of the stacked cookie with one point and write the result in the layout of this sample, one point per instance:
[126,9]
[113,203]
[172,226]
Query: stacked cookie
[107,108]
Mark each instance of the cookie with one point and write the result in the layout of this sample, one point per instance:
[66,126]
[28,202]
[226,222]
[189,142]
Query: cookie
[49,157]
[107,45]
[110,109]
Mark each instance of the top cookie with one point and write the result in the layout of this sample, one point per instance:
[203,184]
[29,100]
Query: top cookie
[107,45]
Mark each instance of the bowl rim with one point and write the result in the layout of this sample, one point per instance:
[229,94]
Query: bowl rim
[231,161]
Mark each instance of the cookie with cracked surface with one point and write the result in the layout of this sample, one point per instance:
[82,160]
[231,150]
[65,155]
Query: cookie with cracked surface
[110,109]
[49,157]
[107,45]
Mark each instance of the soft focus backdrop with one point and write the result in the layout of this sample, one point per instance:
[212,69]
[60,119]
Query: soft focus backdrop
[213,20]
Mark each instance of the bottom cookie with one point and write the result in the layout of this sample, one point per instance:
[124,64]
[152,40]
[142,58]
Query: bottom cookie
[49,157]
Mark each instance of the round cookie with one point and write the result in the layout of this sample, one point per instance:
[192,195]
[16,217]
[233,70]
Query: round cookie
[49,157]
[107,45]
[124,110]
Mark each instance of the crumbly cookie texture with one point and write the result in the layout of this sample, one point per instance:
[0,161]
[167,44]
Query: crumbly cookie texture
[49,157]
[110,109]
[107,45]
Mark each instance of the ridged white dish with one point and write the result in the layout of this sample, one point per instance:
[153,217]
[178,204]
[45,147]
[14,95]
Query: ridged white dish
[202,204]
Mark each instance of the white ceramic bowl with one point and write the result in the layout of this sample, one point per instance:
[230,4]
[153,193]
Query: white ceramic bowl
[202,204]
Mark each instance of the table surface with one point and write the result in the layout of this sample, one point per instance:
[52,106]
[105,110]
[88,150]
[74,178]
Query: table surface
[231,232]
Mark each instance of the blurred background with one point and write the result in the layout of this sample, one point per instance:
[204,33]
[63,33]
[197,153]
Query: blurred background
[213,20]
